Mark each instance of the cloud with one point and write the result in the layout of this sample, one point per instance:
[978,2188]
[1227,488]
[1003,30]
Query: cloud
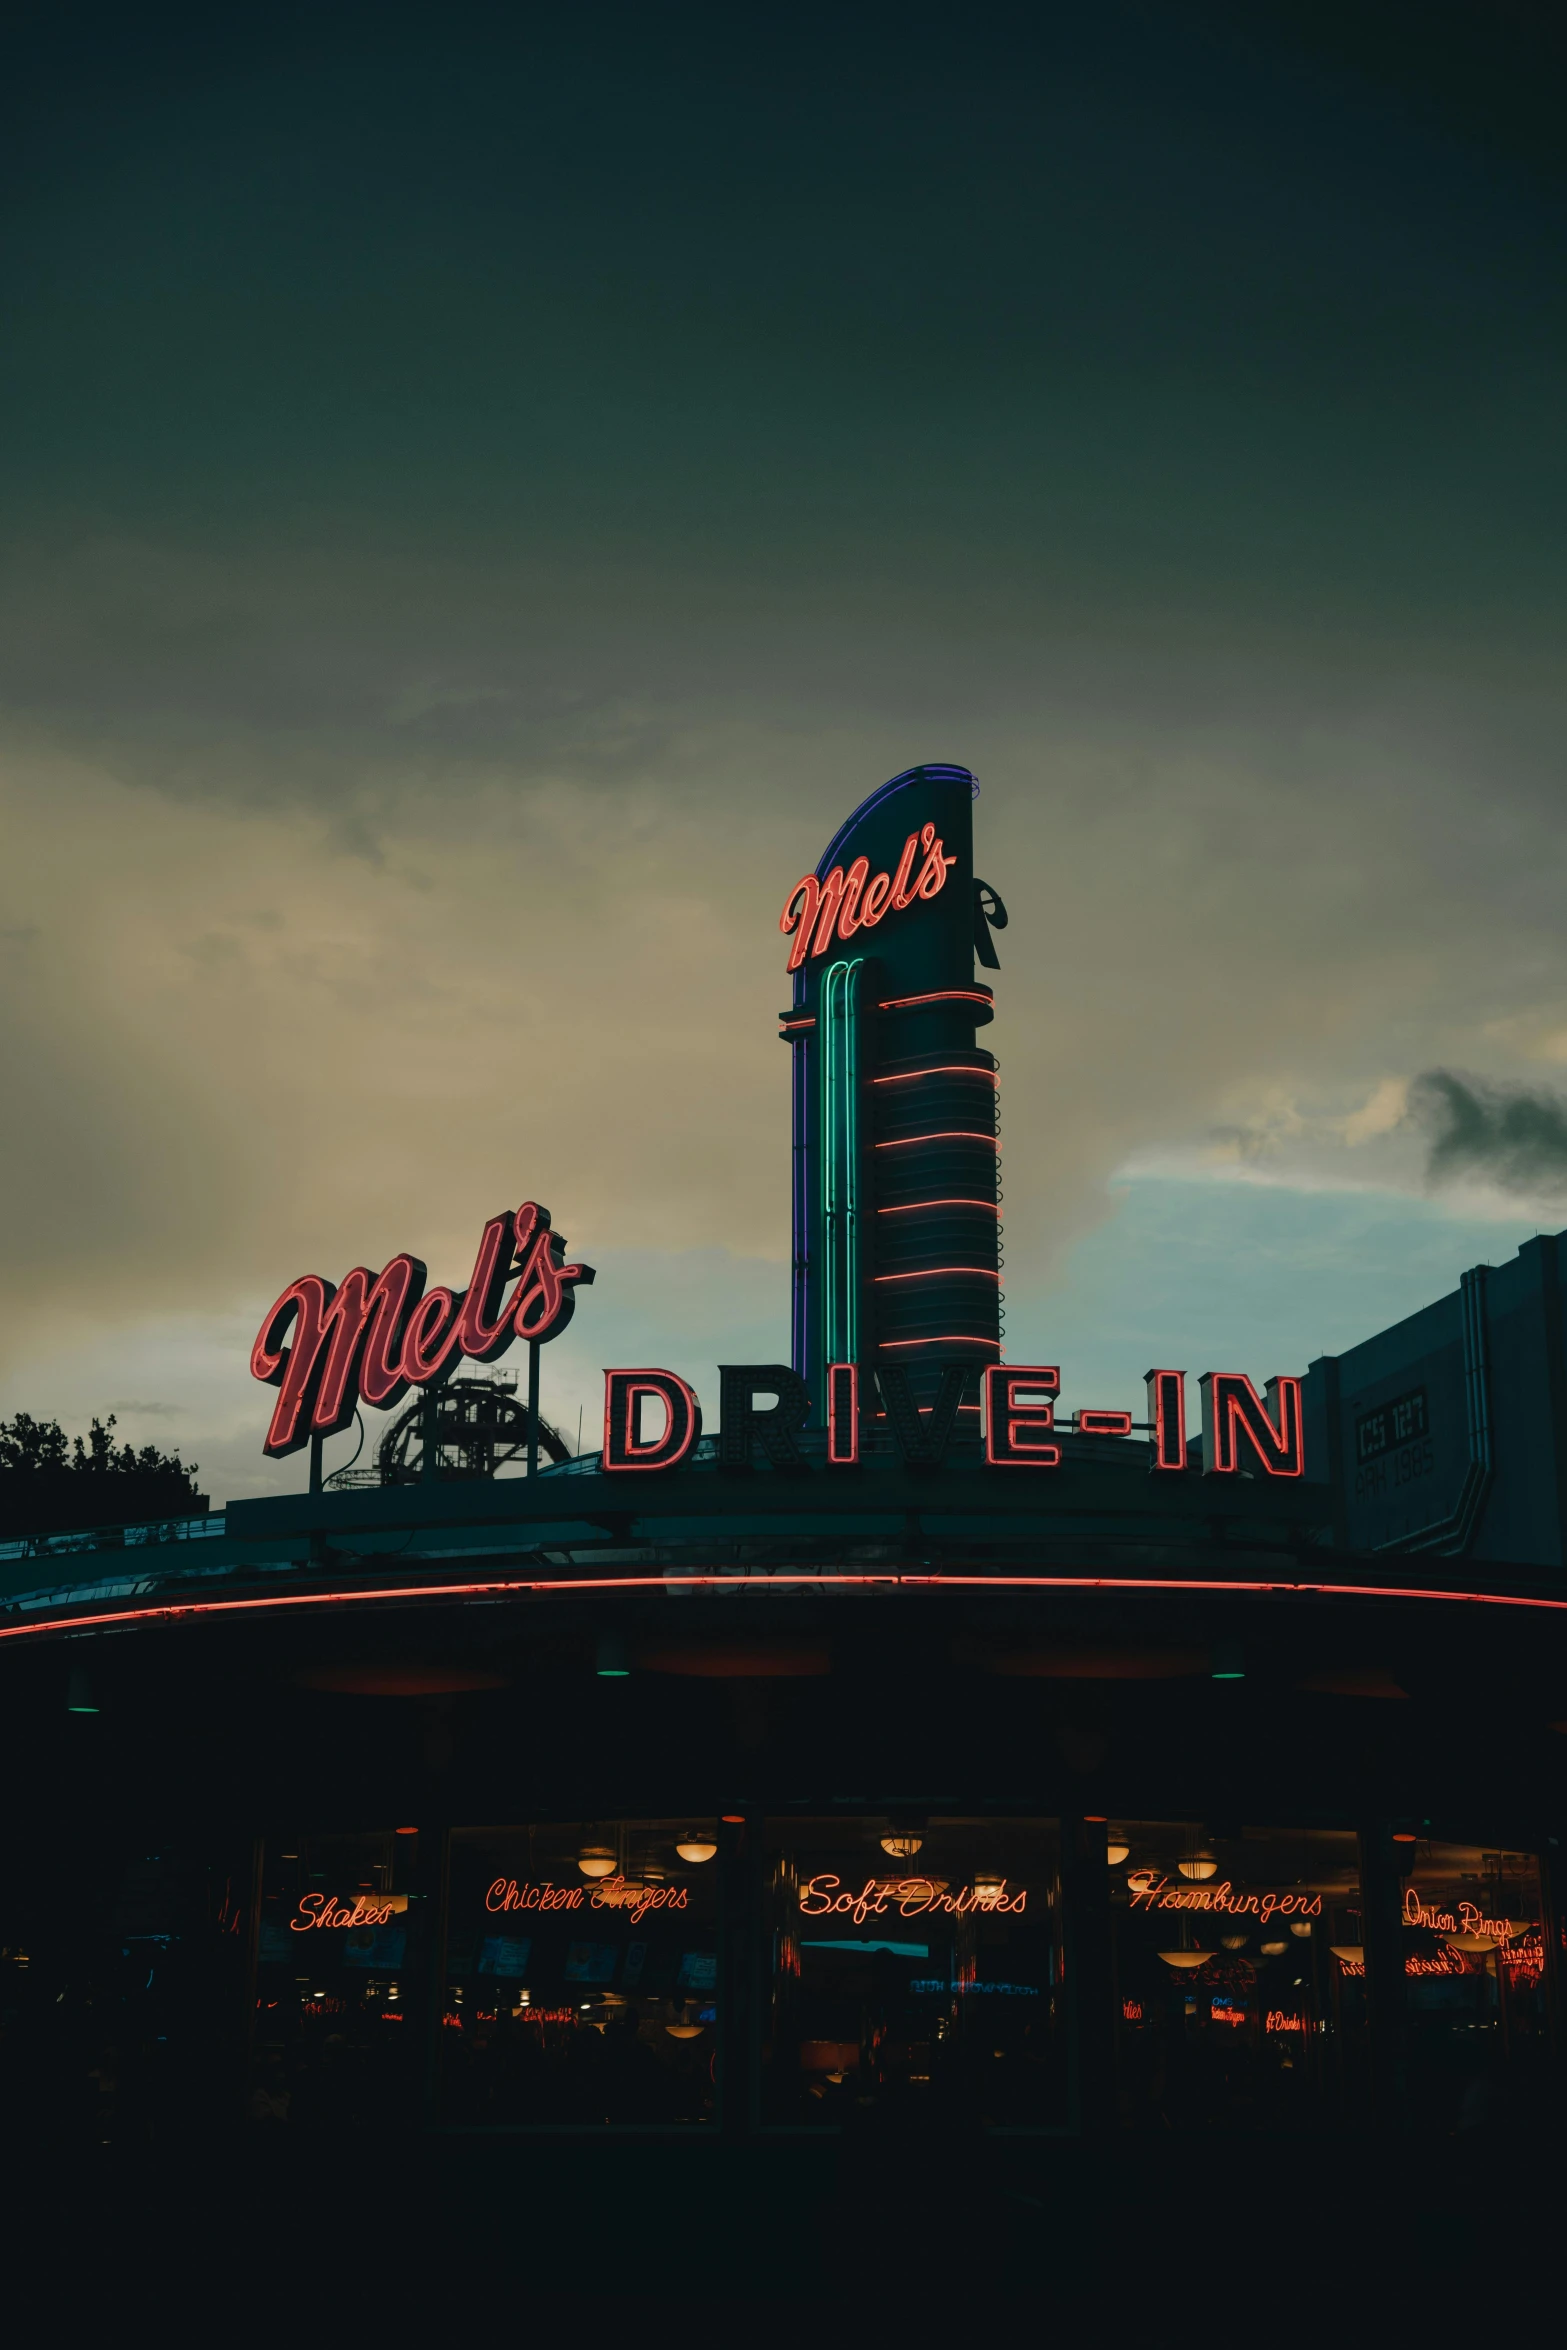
[1512,1136]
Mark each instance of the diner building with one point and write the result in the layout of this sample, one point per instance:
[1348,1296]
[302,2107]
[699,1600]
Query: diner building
[916,1749]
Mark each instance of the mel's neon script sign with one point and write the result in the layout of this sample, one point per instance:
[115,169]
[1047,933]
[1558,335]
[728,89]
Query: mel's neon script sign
[375,1335]
[850,899]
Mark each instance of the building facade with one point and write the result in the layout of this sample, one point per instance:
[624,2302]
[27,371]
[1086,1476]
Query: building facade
[903,1751]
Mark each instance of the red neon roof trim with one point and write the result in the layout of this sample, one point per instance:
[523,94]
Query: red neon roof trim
[934,1272]
[946,1134]
[909,1207]
[171,1610]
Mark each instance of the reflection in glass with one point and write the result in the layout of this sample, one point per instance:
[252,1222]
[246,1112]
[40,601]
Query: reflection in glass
[1239,1990]
[914,1987]
[334,2018]
[1474,1968]
[579,1994]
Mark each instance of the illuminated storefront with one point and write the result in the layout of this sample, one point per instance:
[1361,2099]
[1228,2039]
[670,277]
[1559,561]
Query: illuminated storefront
[882,1739]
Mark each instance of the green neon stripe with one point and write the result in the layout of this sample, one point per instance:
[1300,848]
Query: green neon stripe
[840,1170]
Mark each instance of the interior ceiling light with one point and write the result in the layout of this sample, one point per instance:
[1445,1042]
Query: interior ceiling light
[1198,1865]
[1273,1949]
[1301,1927]
[902,1847]
[1352,1953]
[1186,1958]
[697,1847]
[1117,1850]
[596,1860]
[684,2031]
[1233,1941]
[988,1880]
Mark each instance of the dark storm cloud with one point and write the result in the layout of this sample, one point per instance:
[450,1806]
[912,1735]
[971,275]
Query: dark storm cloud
[1512,1136]
[481,491]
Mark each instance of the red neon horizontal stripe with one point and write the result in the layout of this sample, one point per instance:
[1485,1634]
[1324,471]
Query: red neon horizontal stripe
[796,1024]
[934,1273]
[946,1134]
[939,995]
[946,1069]
[177,1609]
[953,1338]
[912,1207]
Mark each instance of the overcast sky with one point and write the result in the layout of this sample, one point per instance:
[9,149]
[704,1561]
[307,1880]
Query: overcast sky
[486,491]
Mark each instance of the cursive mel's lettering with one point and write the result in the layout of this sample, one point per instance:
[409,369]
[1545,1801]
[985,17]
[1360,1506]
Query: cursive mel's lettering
[816,912]
[909,1897]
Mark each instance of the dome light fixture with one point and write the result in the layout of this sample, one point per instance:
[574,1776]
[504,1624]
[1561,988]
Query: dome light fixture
[1117,1849]
[1234,1941]
[697,1847]
[902,1847]
[596,1860]
[988,1881]
[1301,1927]
[1198,1866]
[1350,1953]
[1273,1949]
[1182,1959]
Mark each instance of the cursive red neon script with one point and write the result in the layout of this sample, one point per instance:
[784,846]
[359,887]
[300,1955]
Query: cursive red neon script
[375,1336]
[816,911]
[912,1897]
[608,1893]
[324,1909]
[1469,1920]
[1148,1890]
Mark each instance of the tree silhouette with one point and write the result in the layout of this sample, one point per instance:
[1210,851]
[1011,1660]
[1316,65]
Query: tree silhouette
[51,1481]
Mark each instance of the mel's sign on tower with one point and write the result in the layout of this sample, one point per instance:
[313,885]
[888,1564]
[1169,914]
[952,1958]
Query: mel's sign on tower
[895,1294]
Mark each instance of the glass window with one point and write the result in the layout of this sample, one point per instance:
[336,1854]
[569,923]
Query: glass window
[336,2025]
[1474,1980]
[915,1970]
[582,1966]
[1238,1974]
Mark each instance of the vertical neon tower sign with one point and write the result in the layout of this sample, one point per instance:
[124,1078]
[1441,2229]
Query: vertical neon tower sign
[840,1064]
[896,1199]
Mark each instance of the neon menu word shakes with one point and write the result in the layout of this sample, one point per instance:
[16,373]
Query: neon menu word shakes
[912,1897]
[324,1909]
[376,1335]
[816,912]
[1148,1890]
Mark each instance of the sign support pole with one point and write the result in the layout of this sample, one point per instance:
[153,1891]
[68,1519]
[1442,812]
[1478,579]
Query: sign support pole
[533,1407]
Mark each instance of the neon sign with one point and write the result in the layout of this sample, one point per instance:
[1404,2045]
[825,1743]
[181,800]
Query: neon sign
[1470,1919]
[373,1336]
[816,912]
[325,1910]
[1148,1890]
[608,1893]
[912,1897]
[1020,1424]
